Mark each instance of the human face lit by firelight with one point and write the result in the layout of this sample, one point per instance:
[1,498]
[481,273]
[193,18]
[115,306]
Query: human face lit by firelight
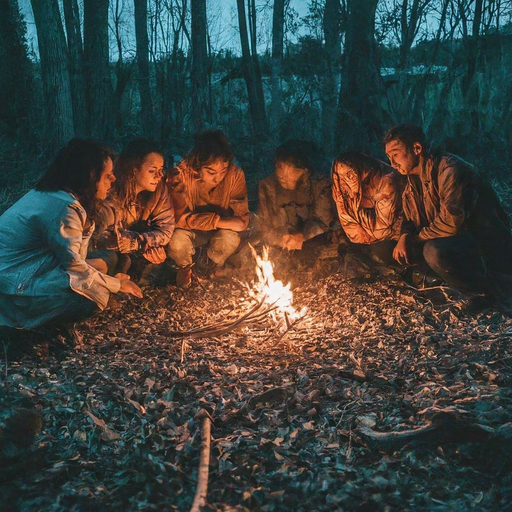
[405,160]
[212,174]
[106,179]
[150,172]
[288,175]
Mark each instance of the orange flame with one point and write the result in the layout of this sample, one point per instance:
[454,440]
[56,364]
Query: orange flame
[273,292]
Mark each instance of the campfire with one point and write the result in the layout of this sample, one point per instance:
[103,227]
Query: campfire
[271,300]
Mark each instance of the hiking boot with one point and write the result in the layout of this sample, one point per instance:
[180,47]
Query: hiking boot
[184,277]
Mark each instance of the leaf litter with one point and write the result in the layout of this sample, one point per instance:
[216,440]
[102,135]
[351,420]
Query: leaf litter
[383,398]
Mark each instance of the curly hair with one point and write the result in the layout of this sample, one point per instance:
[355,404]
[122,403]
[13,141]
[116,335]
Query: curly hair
[209,146]
[129,160]
[77,168]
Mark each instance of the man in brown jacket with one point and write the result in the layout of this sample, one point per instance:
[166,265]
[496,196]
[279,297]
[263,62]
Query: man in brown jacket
[209,194]
[453,216]
[293,206]
[368,197]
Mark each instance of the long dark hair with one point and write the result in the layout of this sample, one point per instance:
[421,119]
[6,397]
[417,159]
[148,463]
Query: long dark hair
[361,163]
[77,168]
[131,158]
[209,146]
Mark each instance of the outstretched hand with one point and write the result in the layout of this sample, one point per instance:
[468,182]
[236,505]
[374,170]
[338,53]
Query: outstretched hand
[401,251]
[128,286]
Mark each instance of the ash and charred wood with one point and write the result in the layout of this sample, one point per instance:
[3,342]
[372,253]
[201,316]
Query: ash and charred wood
[204,462]
[446,426]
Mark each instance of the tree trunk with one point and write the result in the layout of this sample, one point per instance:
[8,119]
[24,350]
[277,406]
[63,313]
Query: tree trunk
[360,111]
[15,79]
[199,64]
[469,84]
[256,105]
[76,65]
[332,36]
[55,74]
[96,56]
[141,35]
[277,64]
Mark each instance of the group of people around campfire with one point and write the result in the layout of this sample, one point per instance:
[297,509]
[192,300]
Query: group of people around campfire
[69,243]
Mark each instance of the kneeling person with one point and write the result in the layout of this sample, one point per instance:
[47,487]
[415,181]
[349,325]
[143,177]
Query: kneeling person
[453,218]
[209,194]
[139,217]
[367,193]
[294,207]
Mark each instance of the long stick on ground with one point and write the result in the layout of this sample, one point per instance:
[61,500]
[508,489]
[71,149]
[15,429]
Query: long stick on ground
[204,463]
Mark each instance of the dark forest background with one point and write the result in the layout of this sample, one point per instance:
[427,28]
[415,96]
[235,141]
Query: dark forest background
[340,76]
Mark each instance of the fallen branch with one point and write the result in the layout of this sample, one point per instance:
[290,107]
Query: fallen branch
[446,425]
[252,315]
[204,463]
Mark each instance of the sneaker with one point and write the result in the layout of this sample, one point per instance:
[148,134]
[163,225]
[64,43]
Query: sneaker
[184,277]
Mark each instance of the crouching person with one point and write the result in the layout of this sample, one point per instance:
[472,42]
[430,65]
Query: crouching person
[44,274]
[209,194]
[368,197]
[137,221]
[294,206]
[453,218]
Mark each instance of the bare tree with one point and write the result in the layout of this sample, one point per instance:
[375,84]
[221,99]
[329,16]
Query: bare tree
[251,74]
[97,73]
[142,41]
[55,74]
[15,79]
[331,22]
[359,111]
[277,64]
[199,63]
[76,68]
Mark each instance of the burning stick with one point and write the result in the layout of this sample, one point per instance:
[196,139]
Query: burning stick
[204,463]
[274,298]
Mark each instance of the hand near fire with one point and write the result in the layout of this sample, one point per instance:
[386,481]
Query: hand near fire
[128,286]
[401,251]
[155,255]
[292,242]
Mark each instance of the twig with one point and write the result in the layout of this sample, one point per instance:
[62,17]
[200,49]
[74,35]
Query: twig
[204,463]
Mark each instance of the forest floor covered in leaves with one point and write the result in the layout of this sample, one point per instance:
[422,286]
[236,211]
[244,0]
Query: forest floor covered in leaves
[295,418]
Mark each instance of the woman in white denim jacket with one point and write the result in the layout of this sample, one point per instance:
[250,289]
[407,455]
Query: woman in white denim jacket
[44,273]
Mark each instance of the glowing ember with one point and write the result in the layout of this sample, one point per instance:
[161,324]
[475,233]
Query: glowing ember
[273,292]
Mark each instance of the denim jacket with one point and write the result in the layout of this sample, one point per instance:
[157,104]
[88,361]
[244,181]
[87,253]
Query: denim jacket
[43,246]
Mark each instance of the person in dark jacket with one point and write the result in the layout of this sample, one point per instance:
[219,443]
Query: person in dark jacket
[453,217]
[294,206]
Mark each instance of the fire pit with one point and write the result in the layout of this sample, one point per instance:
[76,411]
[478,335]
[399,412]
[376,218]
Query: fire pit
[272,300]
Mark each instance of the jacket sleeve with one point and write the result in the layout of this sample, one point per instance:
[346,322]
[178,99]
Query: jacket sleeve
[457,195]
[269,218]
[347,208]
[238,200]
[380,220]
[161,221]
[103,237]
[322,214]
[64,236]
[186,218]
